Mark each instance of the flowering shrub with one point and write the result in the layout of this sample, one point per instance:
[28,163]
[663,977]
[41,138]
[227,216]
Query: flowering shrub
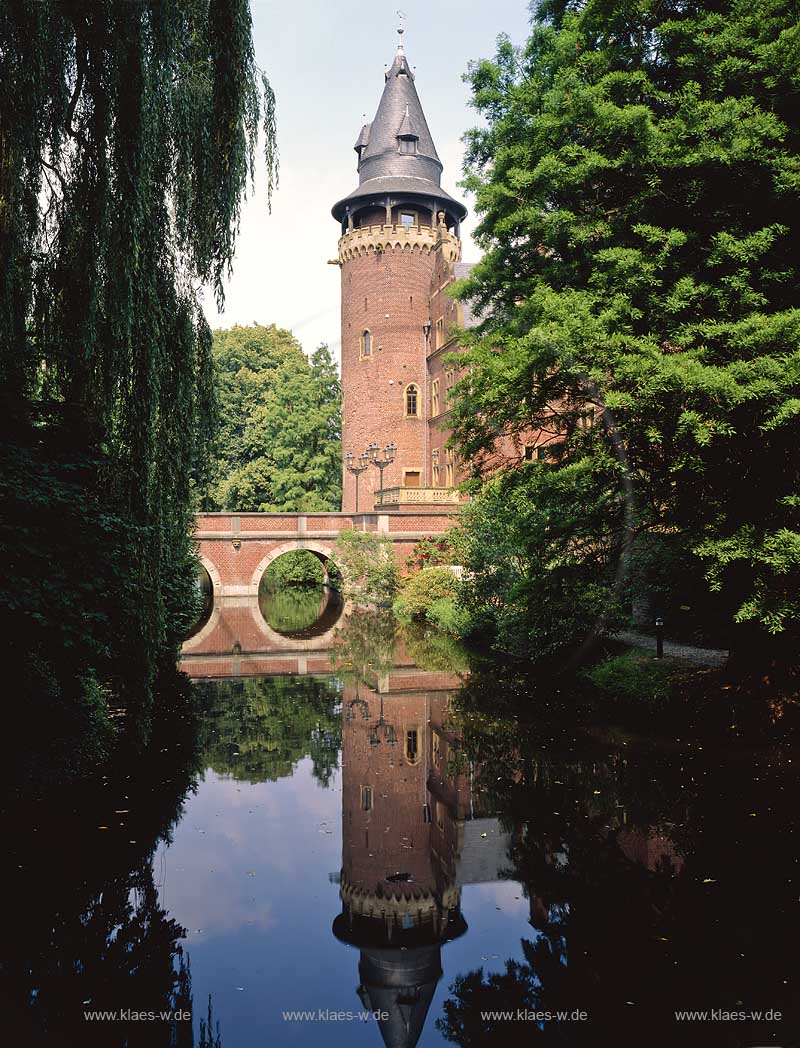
[429,552]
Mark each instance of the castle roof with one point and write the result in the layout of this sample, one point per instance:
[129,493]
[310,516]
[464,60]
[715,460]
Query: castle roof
[382,168]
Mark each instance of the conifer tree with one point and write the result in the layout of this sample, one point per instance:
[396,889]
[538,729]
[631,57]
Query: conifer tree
[638,182]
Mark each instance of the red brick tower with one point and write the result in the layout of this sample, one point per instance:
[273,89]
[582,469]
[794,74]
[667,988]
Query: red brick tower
[391,225]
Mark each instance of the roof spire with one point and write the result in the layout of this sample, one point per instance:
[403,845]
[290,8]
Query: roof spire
[386,161]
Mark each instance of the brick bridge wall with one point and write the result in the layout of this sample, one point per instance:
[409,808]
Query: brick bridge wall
[237,548]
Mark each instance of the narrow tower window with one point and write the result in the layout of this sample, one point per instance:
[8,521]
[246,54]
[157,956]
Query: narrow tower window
[412,746]
[412,398]
[407,219]
[366,344]
[408,146]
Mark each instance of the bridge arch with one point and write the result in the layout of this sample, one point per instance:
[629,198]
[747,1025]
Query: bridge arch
[213,574]
[324,551]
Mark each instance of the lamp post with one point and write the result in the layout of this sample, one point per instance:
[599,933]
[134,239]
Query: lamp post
[373,452]
[363,458]
[389,734]
[659,638]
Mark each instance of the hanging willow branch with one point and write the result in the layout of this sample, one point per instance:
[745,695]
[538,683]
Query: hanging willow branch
[127,139]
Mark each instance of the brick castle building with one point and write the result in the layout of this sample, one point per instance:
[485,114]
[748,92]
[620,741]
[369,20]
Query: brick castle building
[399,250]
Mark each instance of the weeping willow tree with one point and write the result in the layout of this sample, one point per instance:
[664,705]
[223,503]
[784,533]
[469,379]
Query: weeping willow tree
[128,138]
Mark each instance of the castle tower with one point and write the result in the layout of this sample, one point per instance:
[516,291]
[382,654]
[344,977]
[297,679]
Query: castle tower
[392,226]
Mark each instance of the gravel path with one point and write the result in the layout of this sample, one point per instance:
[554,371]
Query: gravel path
[702,656]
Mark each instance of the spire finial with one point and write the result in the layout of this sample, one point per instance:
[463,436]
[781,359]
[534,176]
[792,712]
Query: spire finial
[400,30]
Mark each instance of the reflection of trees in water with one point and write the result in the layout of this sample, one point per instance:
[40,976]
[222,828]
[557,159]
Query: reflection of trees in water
[647,877]
[292,610]
[87,930]
[432,649]
[367,643]
[300,611]
[364,647]
[256,730]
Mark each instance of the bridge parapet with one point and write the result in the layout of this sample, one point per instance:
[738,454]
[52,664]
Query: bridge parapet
[237,548]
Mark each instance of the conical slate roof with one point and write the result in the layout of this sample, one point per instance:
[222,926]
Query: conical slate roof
[382,168]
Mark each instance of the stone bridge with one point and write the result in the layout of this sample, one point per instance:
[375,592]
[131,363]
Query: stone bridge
[237,548]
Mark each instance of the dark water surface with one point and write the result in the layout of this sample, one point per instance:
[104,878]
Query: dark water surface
[358,826]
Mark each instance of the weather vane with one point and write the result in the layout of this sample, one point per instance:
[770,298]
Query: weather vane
[401,29]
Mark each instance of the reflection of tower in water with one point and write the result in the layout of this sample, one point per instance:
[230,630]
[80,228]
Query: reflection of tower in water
[402,834]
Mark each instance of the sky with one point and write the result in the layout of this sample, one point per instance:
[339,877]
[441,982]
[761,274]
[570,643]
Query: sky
[325,61]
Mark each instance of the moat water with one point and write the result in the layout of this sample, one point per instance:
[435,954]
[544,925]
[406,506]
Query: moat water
[364,841]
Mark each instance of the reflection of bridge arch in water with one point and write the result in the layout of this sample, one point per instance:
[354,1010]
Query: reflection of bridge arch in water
[322,630]
[239,621]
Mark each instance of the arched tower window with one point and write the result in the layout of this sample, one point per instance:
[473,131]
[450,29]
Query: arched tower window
[366,343]
[412,746]
[412,401]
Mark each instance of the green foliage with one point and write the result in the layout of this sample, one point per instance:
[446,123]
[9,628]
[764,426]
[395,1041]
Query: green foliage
[449,615]
[298,567]
[634,676]
[429,552]
[637,180]
[128,138]
[278,446]
[367,565]
[539,548]
[419,591]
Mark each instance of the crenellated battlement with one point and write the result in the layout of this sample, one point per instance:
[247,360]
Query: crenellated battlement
[397,237]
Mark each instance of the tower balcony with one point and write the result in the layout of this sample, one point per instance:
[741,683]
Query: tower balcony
[395,498]
[388,237]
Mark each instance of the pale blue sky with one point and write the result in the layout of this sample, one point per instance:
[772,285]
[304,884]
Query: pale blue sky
[325,62]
